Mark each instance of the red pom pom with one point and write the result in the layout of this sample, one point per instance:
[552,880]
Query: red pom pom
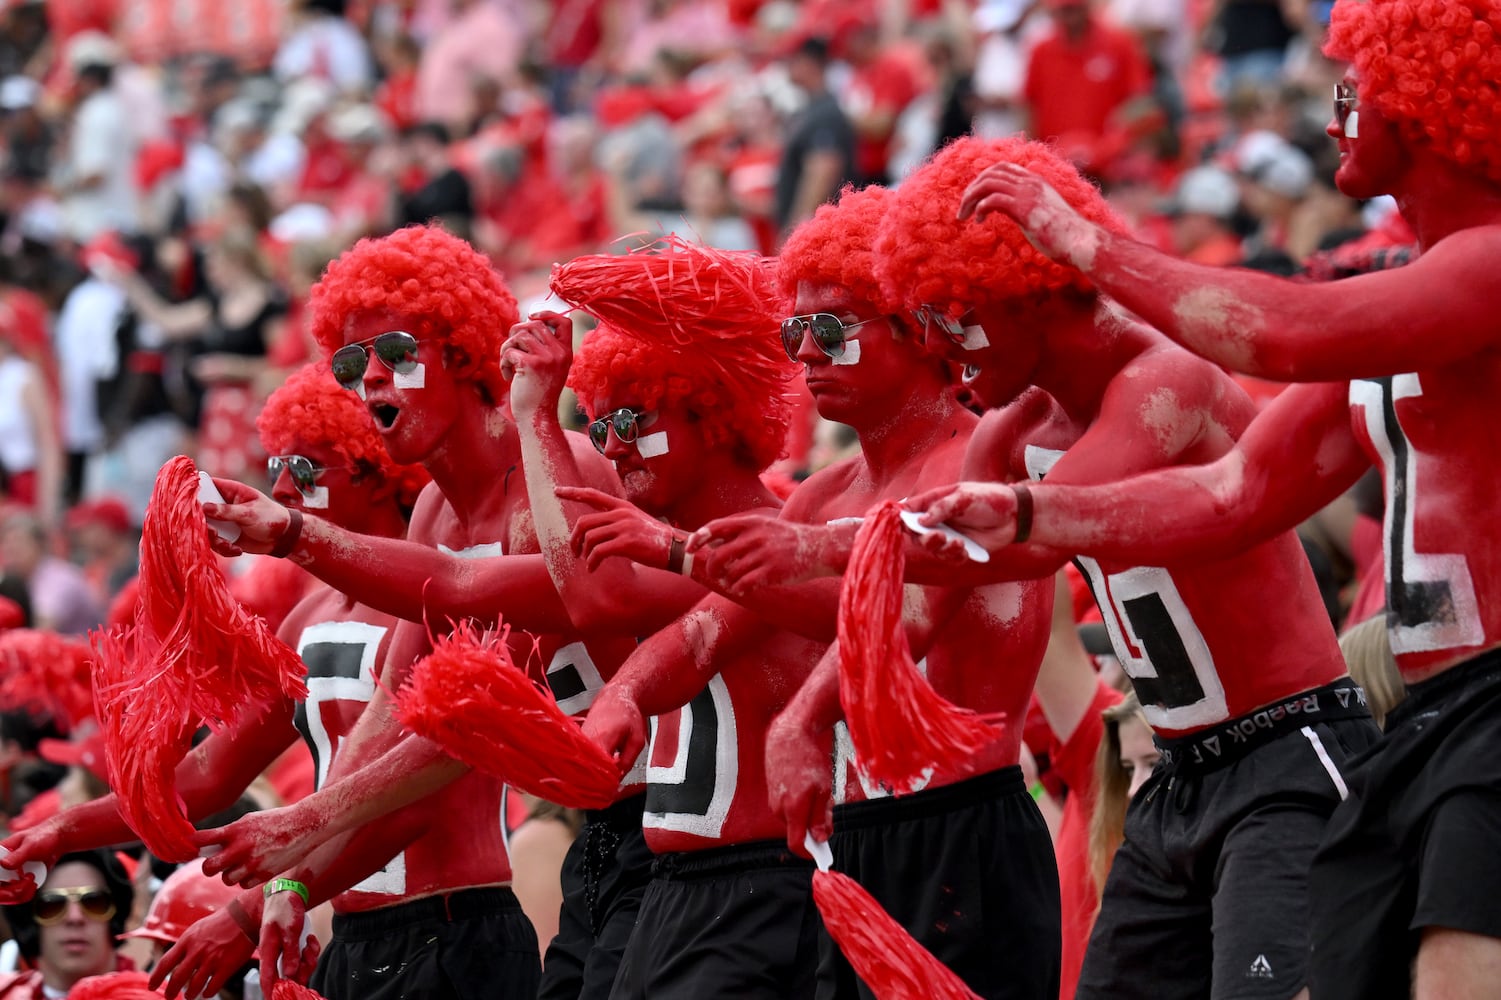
[285,989]
[470,699]
[900,727]
[883,954]
[194,656]
[115,986]
[42,672]
[11,614]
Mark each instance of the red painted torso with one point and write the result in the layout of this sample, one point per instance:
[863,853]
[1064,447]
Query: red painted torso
[1433,435]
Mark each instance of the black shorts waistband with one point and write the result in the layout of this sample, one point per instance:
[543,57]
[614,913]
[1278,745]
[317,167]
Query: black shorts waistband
[623,815]
[442,909]
[730,860]
[1477,672]
[1227,742]
[930,801]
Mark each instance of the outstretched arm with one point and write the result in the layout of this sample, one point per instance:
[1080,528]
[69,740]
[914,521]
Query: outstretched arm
[602,594]
[1296,457]
[1430,313]
[407,579]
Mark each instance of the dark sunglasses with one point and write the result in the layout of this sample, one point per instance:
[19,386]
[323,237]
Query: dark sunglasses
[829,333]
[928,317]
[51,907]
[627,424]
[1345,101]
[302,470]
[396,349]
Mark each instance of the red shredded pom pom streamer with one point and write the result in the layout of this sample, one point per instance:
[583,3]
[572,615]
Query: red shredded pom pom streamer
[900,727]
[475,703]
[114,986]
[285,989]
[42,672]
[883,954]
[194,656]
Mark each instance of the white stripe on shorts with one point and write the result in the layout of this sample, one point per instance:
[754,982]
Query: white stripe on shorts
[1327,761]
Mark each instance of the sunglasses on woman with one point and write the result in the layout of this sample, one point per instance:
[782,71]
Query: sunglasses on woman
[1345,101]
[396,349]
[627,425]
[303,472]
[51,906]
[829,333]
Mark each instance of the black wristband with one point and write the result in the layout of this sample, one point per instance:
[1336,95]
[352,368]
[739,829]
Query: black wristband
[288,540]
[248,927]
[675,552]
[1023,513]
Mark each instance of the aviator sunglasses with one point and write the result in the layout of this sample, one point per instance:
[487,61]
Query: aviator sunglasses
[1345,101]
[829,333]
[302,470]
[396,349]
[51,907]
[929,317]
[627,424]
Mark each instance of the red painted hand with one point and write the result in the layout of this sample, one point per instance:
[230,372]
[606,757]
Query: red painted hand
[619,529]
[203,959]
[615,722]
[40,844]
[742,552]
[799,781]
[535,358]
[1047,220]
[262,520]
[254,848]
[284,953]
[985,512]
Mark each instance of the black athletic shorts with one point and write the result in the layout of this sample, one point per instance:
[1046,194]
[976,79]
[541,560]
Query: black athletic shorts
[968,869]
[1208,896]
[470,945]
[726,922]
[605,875]
[1419,842]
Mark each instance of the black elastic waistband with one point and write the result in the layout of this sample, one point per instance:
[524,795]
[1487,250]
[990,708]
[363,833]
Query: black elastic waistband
[623,815]
[1229,741]
[930,801]
[1478,671]
[443,909]
[727,860]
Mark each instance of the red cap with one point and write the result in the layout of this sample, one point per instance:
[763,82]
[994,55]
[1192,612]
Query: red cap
[108,511]
[186,897]
[84,751]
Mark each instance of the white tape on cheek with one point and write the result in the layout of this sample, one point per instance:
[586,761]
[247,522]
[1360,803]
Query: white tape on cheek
[359,389]
[851,355]
[974,338]
[318,500]
[414,379]
[1352,125]
[652,445]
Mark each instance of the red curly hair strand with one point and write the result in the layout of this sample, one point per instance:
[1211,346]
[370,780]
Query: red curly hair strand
[837,247]
[312,405]
[445,288]
[1433,68]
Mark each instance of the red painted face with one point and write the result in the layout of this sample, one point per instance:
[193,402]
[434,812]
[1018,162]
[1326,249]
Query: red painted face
[413,412]
[876,363]
[340,493]
[1372,161]
[665,461]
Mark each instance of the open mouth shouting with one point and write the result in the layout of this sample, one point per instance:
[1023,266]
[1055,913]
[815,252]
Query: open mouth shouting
[385,414]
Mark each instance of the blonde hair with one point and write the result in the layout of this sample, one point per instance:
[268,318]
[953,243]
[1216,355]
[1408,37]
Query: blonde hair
[1107,822]
[1368,654]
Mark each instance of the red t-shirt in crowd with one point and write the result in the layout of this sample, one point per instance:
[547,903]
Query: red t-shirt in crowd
[1073,88]
[887,83]
[1074,761]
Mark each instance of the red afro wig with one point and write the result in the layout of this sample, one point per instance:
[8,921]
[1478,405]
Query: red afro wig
[837,247]
[447,290]
[927,255]
[312,405]
[686,325]
[1433,67]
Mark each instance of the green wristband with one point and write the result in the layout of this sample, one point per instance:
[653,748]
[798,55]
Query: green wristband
[1037,791]
[287,885]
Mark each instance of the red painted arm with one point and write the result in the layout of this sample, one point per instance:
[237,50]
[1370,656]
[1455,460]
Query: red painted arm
[674,664]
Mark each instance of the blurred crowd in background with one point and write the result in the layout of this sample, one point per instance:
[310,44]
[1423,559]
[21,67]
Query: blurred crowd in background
[174,175]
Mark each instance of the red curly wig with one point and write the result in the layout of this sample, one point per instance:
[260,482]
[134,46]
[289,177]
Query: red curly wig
[687,325]
[837,247]
[926,255]
[311,404]
[1433,67]
[446,289]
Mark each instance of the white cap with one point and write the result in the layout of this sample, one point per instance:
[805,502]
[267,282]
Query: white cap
[1205,191]
[18,92]
[358,123]
[999,15]
[93,48]
[1274,163]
